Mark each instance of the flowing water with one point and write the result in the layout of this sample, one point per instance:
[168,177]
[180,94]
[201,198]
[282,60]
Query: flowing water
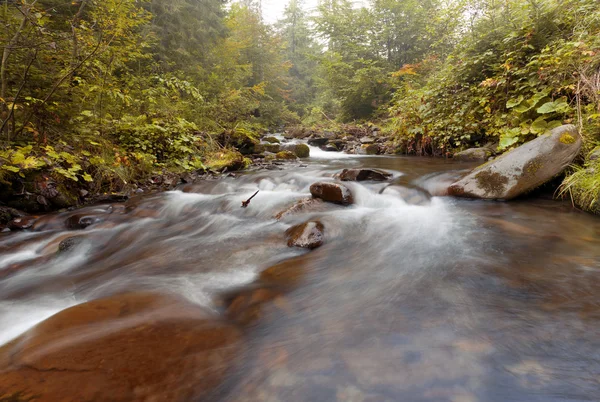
[446,300]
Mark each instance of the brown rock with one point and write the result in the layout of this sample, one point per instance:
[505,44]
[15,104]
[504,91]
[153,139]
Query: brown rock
[132,347]
[332,192]
[307,235]
[82,221]
[287,273]
[247,305]
[363,174]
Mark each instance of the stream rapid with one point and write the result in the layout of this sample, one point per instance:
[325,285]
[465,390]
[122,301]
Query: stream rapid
[438,300]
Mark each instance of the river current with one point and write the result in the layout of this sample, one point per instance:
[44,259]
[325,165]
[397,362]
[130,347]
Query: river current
[436,300]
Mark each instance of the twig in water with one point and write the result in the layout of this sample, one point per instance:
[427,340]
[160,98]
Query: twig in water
[247,202]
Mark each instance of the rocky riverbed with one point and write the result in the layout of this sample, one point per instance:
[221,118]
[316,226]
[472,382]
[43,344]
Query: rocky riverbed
[344,279]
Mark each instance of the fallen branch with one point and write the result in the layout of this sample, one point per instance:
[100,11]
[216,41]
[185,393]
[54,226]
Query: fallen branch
[247,202]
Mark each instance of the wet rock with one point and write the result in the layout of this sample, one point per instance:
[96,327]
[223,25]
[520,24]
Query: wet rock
[367,140]
[22,223]
[363,175]
[70,243]
[81,221]
[7,214]
[330,148]
[300,150]
[306,205]
[247,305]
[288,273]
[410,195]
[133,347]
[272,140]
[368,149]
[317,142]
[332,192]
[473,155]
[308,235]
[523,169]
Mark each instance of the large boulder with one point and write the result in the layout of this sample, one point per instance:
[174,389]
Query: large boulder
[332,192]
[132,347]
[473,155]
[522,169]
[363,175]
[307,235]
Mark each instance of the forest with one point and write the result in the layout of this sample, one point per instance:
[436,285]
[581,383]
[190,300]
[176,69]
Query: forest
[102,96]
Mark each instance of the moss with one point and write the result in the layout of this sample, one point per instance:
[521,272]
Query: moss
[567,139]
[286,155]
[533,166]
[493,184]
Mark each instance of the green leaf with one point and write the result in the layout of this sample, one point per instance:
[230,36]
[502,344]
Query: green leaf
[11,168]
[514,102]
[87,177]
[559,106]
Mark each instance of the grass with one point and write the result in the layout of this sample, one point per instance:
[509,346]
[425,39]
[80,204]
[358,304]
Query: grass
[583,187]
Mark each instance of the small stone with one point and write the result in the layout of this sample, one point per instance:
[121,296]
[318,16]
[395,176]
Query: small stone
[307,235]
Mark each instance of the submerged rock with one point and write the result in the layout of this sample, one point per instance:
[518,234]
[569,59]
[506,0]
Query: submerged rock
[132,347]
[82,221]
[306,205]
[332,192]
[70,243]
[410,195]
[473,155]
[523,169]
[307,235]
[363,175]
[246,306]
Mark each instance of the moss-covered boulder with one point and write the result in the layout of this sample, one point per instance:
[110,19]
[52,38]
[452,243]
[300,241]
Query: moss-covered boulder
[285,155]
[272,140]
[524,168]
[227,160]
[300,150]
